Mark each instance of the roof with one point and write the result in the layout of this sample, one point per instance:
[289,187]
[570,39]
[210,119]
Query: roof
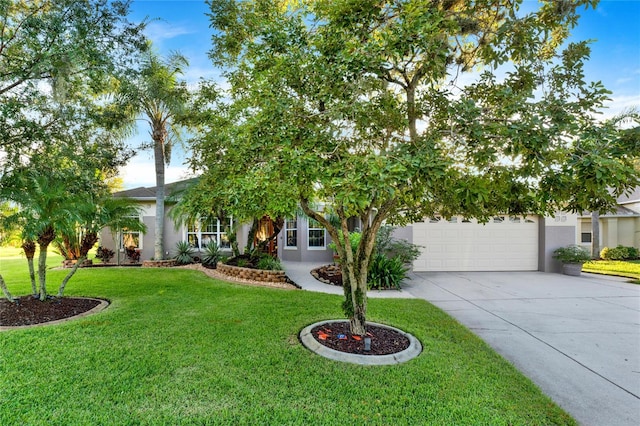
[149,193]
[633,197]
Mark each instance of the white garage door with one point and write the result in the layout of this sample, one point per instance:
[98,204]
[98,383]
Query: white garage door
[503,244]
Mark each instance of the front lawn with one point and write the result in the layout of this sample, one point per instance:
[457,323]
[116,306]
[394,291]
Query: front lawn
[626,268]
[176,347]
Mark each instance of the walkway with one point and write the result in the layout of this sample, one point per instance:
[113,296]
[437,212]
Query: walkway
[577,338]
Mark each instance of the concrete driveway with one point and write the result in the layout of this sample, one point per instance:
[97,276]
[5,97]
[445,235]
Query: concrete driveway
[577,338]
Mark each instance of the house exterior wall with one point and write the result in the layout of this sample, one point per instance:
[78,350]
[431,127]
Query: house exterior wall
[553,233]
[614,231]
[302,252]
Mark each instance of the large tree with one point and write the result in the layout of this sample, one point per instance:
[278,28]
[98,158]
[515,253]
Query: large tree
[398,110]
[154,93]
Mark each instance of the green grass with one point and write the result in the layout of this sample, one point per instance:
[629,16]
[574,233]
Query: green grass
[176,347]
[627,268]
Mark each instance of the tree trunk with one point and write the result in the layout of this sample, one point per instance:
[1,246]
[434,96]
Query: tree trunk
[5,290]
[29,248]
[42,271]
[595,235]
[69,275]
[44,239]
[158,152]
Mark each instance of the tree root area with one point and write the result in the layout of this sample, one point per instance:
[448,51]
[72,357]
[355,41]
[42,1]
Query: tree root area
[28,310]
[336,335]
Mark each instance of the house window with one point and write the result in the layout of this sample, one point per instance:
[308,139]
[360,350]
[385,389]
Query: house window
[585,237]
[130,239]
[291,233]
[202,232]
[316,235]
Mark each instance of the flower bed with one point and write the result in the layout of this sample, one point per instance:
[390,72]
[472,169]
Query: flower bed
[251,274]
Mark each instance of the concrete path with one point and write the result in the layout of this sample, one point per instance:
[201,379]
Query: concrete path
[577,338]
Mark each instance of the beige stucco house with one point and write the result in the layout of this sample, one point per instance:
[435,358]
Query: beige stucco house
[621,227]
[448,244]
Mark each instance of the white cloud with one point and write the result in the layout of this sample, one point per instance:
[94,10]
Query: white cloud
[140,171]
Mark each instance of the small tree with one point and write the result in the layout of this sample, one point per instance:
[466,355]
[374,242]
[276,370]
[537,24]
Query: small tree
[357,107]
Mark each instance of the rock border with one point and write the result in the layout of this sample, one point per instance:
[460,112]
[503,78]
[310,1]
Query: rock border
[310,342]
[102,306]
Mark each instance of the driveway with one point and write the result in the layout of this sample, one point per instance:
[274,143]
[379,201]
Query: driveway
[577,338]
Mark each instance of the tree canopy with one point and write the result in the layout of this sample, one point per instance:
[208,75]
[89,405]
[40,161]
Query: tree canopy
[397,110]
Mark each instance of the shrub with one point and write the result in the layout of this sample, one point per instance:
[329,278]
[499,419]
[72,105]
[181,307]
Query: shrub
[572,254]
[387,245]
[354,240]
[132,253]
[211,254]
[386,273]
[104,254]
[184,253]
[619,253]
[269,263]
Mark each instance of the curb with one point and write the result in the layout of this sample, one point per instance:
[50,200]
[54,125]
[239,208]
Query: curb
[308,341]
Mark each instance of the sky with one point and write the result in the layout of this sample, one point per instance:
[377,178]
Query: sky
[182,25]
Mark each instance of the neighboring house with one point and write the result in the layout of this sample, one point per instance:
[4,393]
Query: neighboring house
[622,227]
[456,244]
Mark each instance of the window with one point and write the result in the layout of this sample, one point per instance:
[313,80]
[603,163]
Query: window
[202,232]
[316,235]
[291,233]
[129,238]
[585,237]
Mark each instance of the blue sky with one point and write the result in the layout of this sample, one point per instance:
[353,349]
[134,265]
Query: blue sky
[183,26]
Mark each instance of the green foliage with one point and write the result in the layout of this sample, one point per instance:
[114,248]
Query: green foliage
[354,240]
[183,253]
[211,255]
[243,263]
[104,254]
[619,253]
[269,263]
[572,254]
[393,247]
[326,98]
[386,273]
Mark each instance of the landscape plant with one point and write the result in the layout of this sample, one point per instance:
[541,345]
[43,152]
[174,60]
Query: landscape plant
[393,111]
[183,253]
[619,253]
[211,255]
[572,254]
[269,263]
[105,254]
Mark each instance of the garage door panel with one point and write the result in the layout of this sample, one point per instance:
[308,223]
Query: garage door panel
[506,245]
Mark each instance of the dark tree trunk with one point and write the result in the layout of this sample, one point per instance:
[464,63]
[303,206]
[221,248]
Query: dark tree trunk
[159,136]
[29,248]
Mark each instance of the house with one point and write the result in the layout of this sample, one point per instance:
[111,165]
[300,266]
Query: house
[449,244]
[621,227]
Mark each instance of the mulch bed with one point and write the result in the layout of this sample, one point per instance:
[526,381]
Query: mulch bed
[30,311]
[336,335]
[329,274]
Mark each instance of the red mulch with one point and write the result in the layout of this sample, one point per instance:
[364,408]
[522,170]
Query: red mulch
[336,335]
[30,311]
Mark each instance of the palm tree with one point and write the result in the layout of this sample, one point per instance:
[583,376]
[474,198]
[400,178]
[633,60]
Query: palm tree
[94,215]
[44,206]
[155,94]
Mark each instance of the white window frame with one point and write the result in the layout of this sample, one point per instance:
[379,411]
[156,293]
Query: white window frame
[320,228]
[124,231]
[287,228]
[214,231]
